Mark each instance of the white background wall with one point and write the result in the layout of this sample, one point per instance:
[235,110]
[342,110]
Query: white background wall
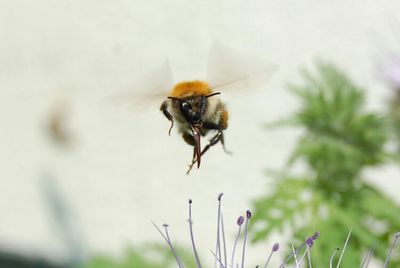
[123,170]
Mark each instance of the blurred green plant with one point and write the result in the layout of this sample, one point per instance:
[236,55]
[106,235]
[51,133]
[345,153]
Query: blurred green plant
[390,73]
[339,141]
[147,256]
[394,117]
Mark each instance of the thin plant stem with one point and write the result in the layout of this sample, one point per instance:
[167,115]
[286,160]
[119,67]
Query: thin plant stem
[367,258]
[391,249]
[218,259]
[191,235]
[172,248]
[167,239]
[269,258]
[223,239]
[309,258]
[217,246]
[294,254]
[332,256]
[308,242]
[248,215]
[291,255]
[234,245]
[275,248]
[302,257]
[344,249]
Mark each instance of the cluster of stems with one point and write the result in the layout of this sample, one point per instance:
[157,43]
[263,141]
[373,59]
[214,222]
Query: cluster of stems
[221,260]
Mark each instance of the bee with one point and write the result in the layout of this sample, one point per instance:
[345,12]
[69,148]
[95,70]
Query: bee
[195,105]
[197,110]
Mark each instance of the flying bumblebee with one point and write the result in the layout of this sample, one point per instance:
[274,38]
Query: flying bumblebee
[195,105]
[197,111]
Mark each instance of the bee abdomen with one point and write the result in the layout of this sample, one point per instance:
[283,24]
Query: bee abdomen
[224,116]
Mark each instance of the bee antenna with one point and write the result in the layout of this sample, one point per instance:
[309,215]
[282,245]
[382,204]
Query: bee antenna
[213,94]
[173,98]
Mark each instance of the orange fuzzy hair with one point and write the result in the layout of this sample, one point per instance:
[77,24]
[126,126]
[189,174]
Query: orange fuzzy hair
[190,88]
[224,119]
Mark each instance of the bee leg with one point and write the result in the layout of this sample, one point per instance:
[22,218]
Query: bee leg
[166,113]
[223,144]
[194,160]
[213,126]
[188,138]
[214,140]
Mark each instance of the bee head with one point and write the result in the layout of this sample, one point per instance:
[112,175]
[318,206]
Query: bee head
[193,107]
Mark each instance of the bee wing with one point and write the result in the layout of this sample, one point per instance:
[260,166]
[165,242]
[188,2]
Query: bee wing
[231,72]
[149,90]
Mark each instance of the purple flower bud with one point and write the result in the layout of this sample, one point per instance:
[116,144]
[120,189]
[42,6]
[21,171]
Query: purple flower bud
[165,225]
[248,214]
[311,239]
[275,247]
[190,201]
[315,236]
[220,196]
[310,242]
[240,220]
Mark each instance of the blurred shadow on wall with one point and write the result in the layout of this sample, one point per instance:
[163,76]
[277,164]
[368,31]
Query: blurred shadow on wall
[65,229]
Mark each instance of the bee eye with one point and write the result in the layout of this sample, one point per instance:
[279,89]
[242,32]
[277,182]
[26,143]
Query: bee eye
[185,106]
